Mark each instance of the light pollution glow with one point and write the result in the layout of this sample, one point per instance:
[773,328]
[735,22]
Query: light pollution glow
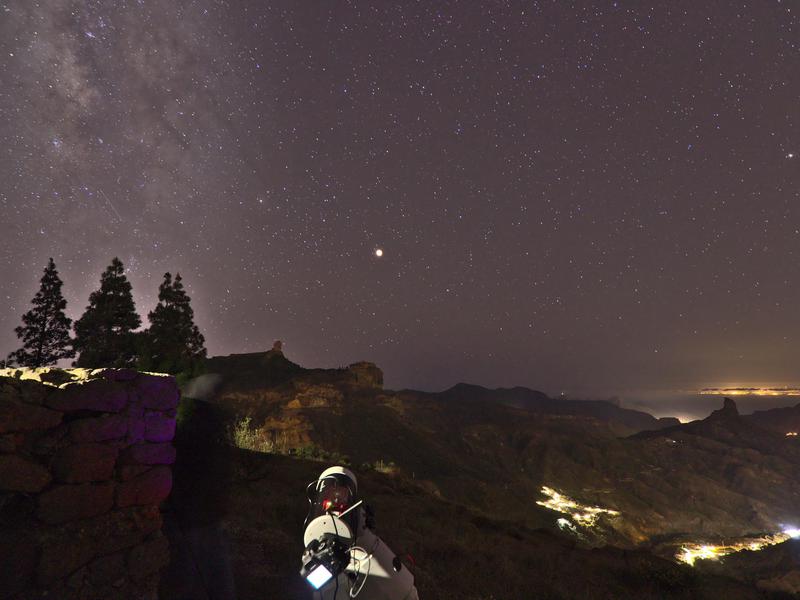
[581,514]
[692,552]
[751,391]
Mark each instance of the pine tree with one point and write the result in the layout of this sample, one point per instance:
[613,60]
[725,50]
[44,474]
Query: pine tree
[45,333]
[173,343]
[103,335]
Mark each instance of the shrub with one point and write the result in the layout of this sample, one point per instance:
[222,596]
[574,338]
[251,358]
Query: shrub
[381,466]
[244,435]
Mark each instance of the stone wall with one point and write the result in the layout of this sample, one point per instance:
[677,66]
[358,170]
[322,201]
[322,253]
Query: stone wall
[85,461]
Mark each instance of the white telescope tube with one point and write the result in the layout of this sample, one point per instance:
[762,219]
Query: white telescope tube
[373,563]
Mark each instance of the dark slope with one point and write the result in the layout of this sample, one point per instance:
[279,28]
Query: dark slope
[775,569]
[780,420]
[235,531]
[736,478]
[491,451]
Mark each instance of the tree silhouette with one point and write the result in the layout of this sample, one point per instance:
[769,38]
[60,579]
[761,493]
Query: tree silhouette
[103,335]
[45,330]
[173,343]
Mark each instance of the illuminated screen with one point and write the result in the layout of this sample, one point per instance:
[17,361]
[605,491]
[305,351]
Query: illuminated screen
[319,576]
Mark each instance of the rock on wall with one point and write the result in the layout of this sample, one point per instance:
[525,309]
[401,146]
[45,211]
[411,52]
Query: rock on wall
[367,374]
[85,461]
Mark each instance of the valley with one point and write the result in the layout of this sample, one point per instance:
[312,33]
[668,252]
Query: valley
[588,474]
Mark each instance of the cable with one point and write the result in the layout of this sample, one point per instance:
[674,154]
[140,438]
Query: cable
[336,532]
[336,591]
[368,558]
[310,504]
[357,564]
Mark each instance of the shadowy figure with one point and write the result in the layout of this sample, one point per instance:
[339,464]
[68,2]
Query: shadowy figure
[201,566]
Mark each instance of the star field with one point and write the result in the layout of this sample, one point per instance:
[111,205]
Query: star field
[595,197]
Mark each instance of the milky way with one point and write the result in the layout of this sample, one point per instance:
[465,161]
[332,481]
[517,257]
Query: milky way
[594,197]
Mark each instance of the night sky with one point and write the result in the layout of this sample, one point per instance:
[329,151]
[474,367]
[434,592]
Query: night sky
[590,197]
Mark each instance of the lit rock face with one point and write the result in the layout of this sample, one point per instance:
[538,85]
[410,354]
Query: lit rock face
[309,395]
[85,461]
[367,374]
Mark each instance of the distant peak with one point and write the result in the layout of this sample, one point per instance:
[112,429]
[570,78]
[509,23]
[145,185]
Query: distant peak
[729,409]
[729,406]
[467,386]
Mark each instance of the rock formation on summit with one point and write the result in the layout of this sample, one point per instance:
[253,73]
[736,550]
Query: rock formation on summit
[367,374]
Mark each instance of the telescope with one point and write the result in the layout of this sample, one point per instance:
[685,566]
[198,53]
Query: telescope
[343,558]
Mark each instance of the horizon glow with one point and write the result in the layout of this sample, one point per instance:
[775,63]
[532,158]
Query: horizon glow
[751,391]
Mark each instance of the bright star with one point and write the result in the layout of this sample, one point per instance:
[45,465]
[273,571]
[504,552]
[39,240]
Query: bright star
[378,252]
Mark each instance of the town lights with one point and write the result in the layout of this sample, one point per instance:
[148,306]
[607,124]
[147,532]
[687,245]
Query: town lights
[689,553]
[587,516]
